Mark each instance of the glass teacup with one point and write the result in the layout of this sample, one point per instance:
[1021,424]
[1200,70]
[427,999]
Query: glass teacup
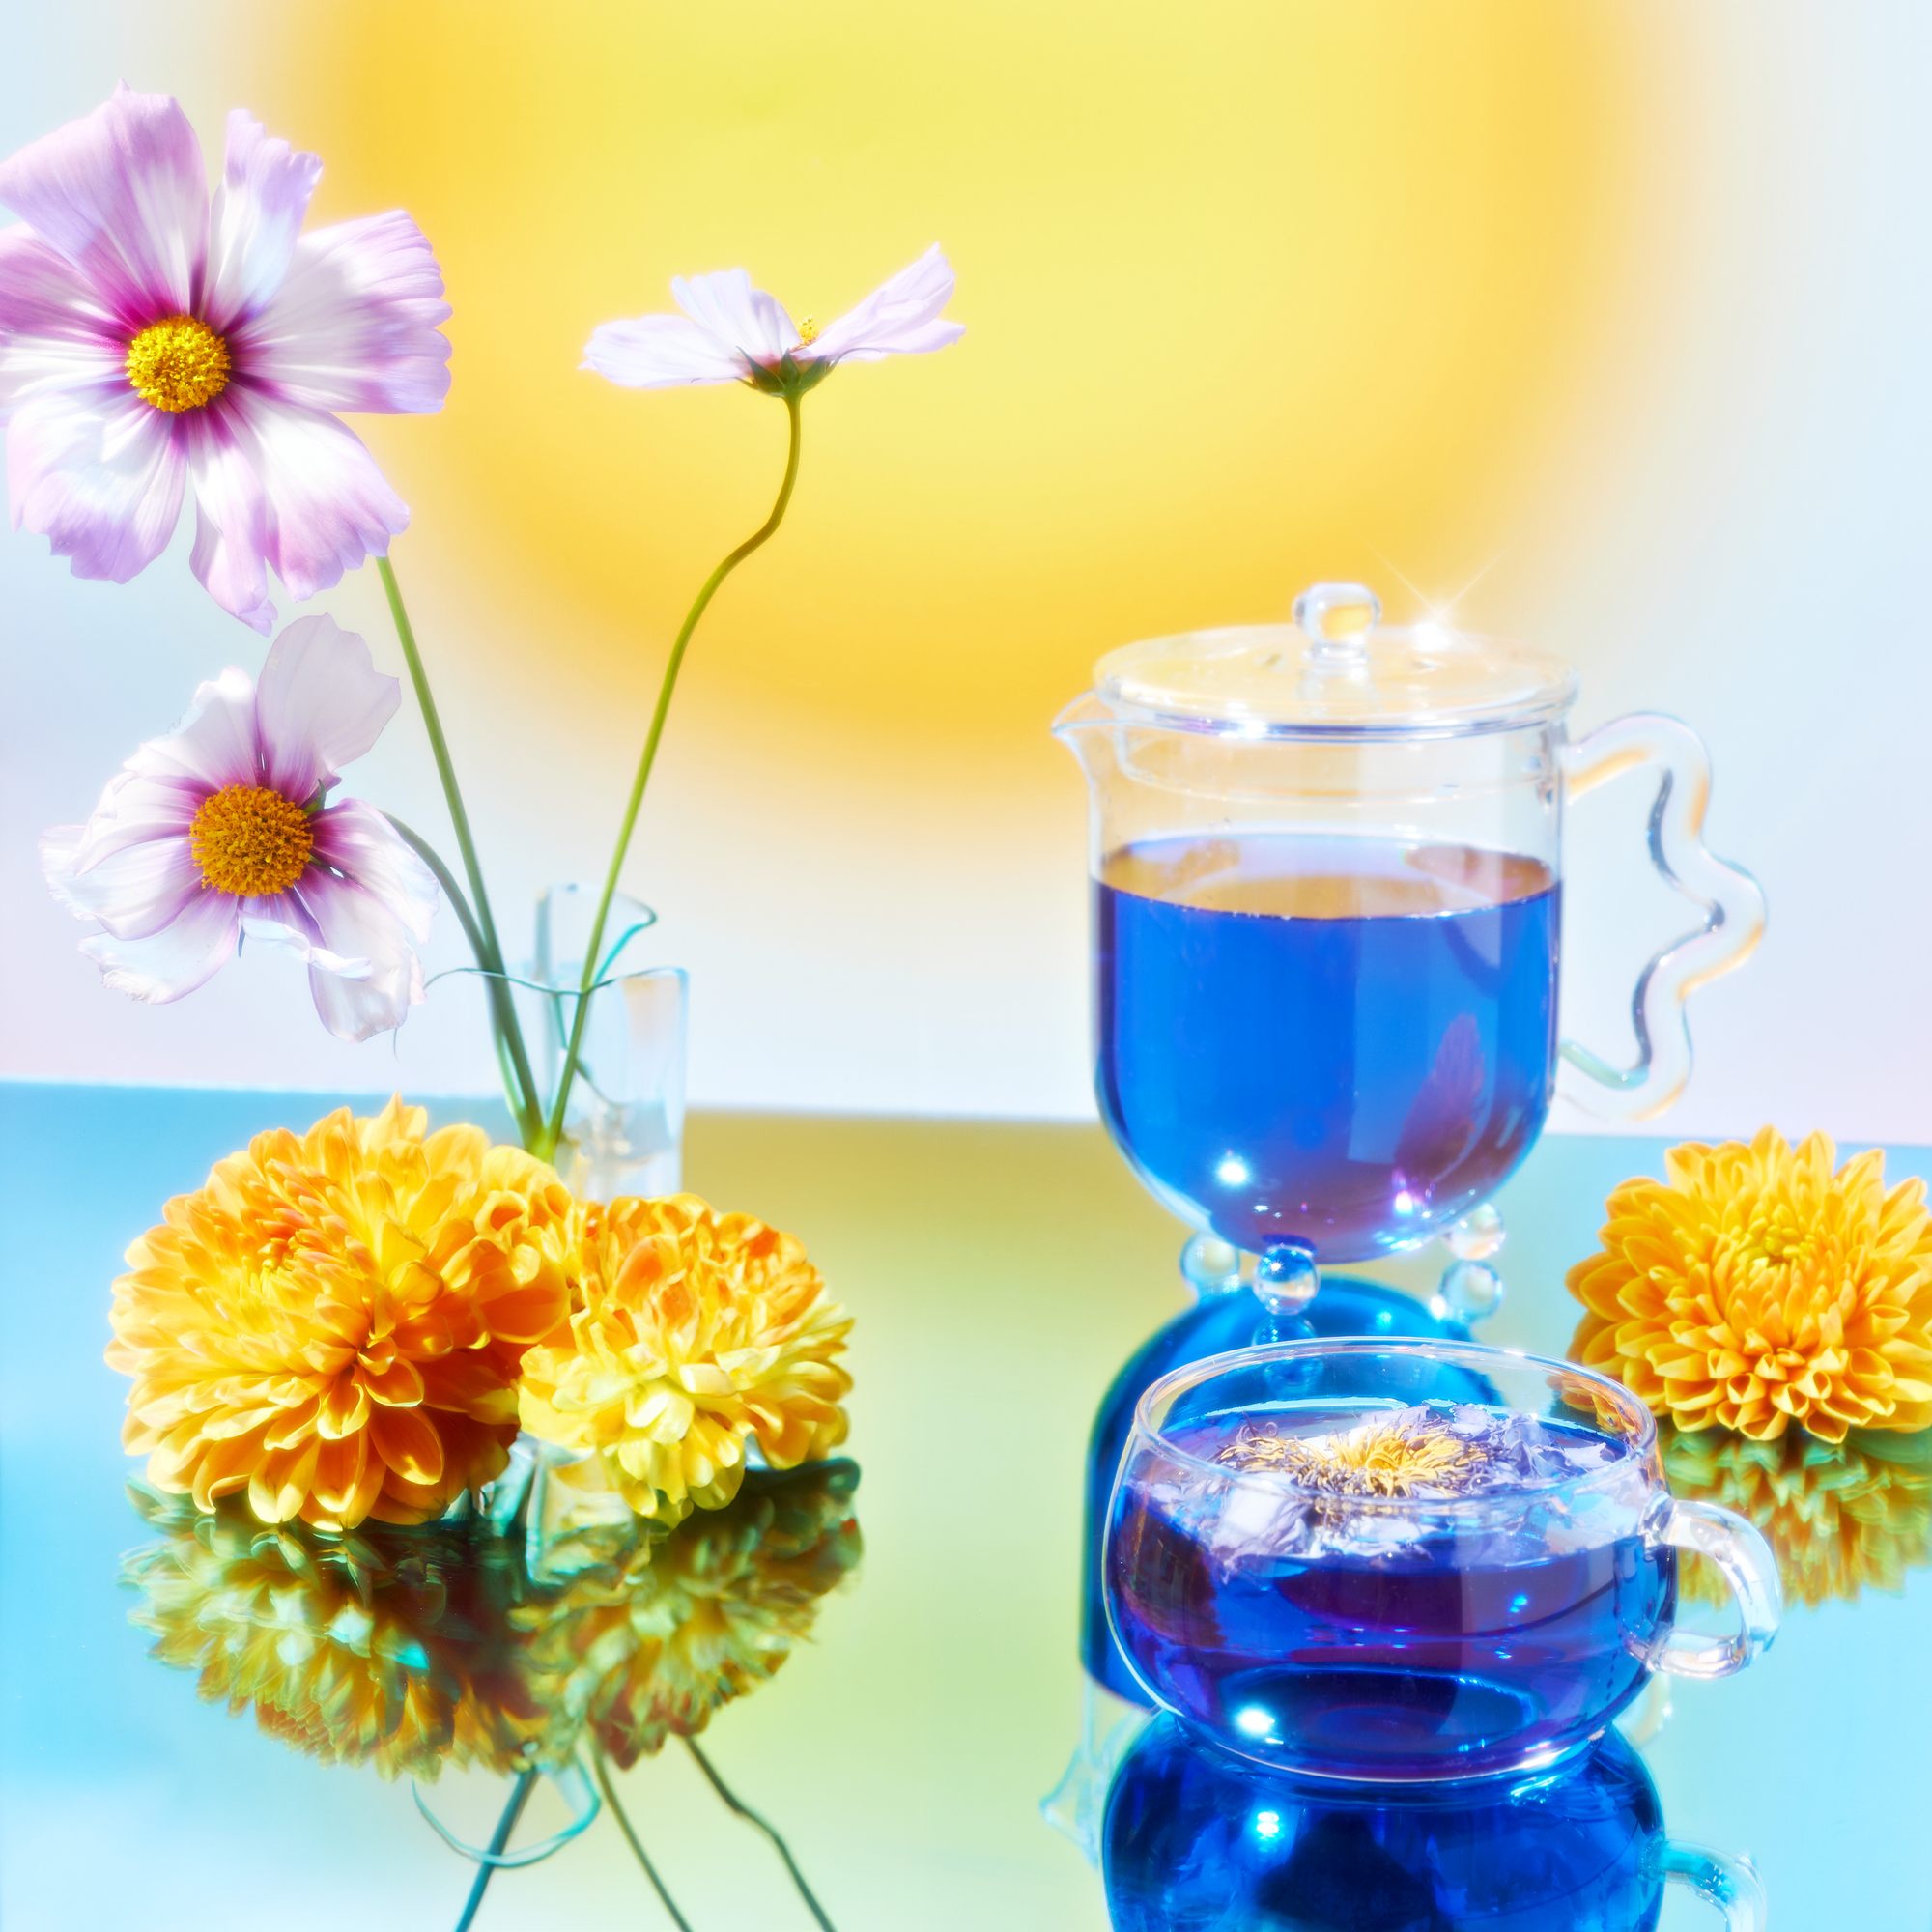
[1394,1560]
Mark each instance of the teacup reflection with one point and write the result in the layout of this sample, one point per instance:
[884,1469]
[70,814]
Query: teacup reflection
[1841,1518]
[1197,1840]
[413,1648]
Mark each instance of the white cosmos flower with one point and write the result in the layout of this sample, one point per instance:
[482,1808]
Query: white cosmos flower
[157,346]
[219,829]
[732,333]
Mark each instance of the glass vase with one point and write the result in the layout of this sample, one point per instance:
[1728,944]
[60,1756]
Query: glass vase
[624,1121]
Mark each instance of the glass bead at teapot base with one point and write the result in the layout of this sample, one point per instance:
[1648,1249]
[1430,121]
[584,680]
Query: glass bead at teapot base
[1469,1292]
[1478,1237]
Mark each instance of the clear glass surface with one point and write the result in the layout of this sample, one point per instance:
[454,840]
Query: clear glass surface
[998,1272]
[1404,1560]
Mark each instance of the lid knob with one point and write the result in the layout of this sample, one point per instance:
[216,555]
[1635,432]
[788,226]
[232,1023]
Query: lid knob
[1310,616]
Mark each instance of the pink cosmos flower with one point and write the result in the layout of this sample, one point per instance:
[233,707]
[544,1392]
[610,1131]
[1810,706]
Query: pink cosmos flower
[150,339]
[732,333]
[220,830]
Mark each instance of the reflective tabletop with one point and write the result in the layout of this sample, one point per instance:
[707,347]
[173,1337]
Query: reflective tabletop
[999,1275]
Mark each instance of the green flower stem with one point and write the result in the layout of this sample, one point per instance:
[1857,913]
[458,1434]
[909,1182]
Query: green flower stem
[520,1796]
[545,1147]
[751,1817]
[447,879]
[526,1103]
[605,1786]
[527,1106]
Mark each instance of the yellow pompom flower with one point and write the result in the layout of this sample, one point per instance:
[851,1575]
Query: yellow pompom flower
[381,1646]
[1755,1288]
[652,1632]
[333,1324]
[689,1332]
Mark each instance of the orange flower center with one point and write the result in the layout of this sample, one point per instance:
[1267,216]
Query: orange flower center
[178,363]
[250,841]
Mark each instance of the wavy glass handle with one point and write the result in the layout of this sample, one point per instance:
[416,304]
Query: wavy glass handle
[1731,1884]
[1731,900]
[1744,1557]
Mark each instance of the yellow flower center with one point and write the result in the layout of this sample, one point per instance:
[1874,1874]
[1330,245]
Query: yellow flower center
[1774,1238]
[807,331]
[178,363]
[1374,1460]
[250,841]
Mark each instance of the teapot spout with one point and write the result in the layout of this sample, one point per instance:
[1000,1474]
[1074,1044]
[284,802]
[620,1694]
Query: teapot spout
[1075,728]
[1088,709]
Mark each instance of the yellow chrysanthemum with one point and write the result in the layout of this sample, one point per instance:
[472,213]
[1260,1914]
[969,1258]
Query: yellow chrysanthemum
[654,1631]
[333,1324]
[689,1332]
[1839,1518]
[1755,1288]
[382,1646]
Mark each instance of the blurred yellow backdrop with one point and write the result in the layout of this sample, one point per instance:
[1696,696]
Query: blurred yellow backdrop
[1618,290]
[1257,292]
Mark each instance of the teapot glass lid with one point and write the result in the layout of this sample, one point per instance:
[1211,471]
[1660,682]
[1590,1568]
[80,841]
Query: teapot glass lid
[1337,668]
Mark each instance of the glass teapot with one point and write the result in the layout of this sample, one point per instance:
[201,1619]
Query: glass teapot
[1328,863]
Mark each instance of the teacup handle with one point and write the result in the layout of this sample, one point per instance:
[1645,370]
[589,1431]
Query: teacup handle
[1731,900]
[1731,1884]
[1741,1553]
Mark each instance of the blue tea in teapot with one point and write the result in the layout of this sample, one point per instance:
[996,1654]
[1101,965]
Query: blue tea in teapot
[1339,1042]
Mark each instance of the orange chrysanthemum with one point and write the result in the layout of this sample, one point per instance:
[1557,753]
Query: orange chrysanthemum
[1755,1288]
[690,1332]
[333,1324]
[1839,1518]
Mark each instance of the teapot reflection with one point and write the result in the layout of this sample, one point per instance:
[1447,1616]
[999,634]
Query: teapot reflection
[1196,1840]
[410,1649]
[1841,1518]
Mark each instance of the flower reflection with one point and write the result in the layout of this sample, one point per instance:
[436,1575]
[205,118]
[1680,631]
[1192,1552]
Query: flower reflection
[414,1647]
[1840,1517]
[652,1632]
[381,1645]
